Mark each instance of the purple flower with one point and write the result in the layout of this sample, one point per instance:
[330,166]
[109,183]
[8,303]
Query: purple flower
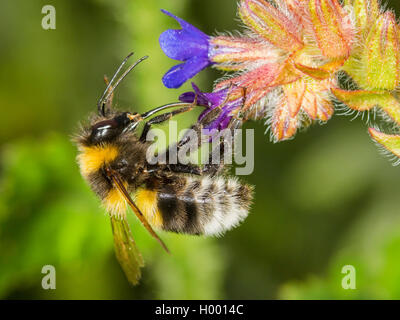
[188,44]
[213,100]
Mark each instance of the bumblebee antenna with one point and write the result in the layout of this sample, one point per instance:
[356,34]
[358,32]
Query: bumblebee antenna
[123,77]
[100,103]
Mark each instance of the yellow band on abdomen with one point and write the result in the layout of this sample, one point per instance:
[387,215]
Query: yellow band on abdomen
[146,200]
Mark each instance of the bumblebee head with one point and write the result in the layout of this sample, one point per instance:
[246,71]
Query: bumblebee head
[110,129]
[109,124]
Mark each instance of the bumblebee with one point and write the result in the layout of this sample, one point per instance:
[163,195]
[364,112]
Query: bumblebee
[180,198]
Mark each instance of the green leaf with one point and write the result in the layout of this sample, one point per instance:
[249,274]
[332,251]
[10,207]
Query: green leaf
[362,100]
[389,142]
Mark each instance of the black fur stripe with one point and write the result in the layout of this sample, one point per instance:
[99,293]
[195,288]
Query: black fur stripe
[179,209]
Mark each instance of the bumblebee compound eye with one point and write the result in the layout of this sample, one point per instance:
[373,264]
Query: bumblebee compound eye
[108,130]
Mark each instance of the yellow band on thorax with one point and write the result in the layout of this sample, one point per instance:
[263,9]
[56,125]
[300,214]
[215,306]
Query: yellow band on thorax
[93,158]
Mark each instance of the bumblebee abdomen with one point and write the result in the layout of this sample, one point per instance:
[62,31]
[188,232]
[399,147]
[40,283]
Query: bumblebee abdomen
[197,205]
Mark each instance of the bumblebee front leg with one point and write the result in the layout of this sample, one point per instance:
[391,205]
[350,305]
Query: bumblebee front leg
[196,169]
[218,152]
[198,127]
[210,168]
[162,118]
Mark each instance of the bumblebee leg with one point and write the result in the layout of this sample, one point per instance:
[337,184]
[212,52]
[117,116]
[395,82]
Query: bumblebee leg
[161,118]
[196,169]
[197,128]
[210,168]
[204,122]
[178,168]
[214,168]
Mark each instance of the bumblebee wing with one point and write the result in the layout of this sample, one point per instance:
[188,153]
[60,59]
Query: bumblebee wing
[120,186]
[126,250]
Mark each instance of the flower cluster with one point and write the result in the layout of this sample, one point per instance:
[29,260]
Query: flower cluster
[284,68]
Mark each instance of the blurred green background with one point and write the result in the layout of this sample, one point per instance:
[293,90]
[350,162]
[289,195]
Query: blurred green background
[324,200]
